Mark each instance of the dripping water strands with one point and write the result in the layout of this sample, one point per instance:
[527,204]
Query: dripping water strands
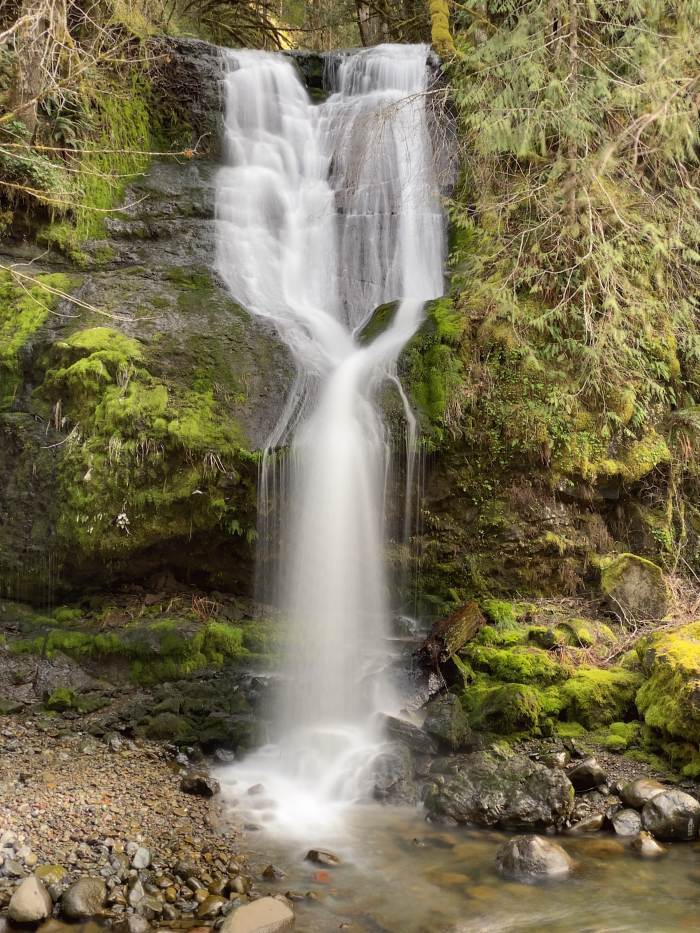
[324,213]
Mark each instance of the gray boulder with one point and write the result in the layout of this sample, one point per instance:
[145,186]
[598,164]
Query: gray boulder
[626,822]
[30,903]
[447,722]
[85,898]
[529,858]
[392,776]
[672,815]
[510,791]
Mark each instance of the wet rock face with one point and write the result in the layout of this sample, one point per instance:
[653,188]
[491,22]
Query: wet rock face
[530,858]
[447,722]
[672,815]
[152,276]
[509,792]
[393,776]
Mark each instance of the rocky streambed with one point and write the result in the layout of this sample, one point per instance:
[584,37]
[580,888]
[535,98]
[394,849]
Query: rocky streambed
[135,834]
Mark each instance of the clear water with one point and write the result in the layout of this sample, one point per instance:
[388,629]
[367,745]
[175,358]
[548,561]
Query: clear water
[402,875]
[325,212]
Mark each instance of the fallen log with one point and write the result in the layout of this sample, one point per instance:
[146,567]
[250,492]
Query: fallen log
[449,635]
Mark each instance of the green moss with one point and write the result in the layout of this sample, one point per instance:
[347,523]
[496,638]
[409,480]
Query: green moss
[505,709]
[595,696]
[668,698]
[61,699]
[501,612]
[65,615]
[571,730]
[23,310]
[522,665]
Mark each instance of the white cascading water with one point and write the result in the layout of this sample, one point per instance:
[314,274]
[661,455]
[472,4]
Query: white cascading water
[325,212]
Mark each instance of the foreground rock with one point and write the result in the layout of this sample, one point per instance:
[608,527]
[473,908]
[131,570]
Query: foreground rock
[84,899]
[405,732]
[30,903]
[672,815]
[268,915]
[647,846]
[529,858]
[626,822]
[509,791]
[322,857]
[637,793]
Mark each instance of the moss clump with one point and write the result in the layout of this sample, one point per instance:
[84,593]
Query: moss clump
[506,709]
[147,458]
[171,727]
[668,698]
[501,612]
[61,699]
[23,310]
[595,696]
[167,649]
[519,664]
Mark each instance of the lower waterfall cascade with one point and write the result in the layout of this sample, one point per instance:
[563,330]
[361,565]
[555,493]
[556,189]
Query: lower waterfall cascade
[324,212]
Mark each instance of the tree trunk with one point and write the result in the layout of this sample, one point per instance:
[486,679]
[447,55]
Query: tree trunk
[450,634]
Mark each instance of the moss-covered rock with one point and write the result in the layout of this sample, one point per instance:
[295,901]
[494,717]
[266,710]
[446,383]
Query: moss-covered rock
[669,699]
[505,709]
[597,696]
[635,588]
[518,664]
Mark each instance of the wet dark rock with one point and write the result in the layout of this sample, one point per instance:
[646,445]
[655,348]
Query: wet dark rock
[400,730]
[587,775]
[200,784]
[557,759]
[647,846]
[638,792]
[509,791]
[272,873]
[626,822]
[322,857]
[529,858]
[590,824]
[447,722]
[392,776]
[30,903]
[672,815]
[83,899]
[211,907]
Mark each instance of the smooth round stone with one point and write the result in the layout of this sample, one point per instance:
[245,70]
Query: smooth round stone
[637,793]
[647,846]
[30,903]
[529,858]
[267,915]
[672,815]
[84,899]
[626,822]
[587,775]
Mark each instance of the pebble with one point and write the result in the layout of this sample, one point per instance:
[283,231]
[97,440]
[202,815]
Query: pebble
[30,903]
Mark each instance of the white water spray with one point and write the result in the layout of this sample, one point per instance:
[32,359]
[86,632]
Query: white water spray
[324,213]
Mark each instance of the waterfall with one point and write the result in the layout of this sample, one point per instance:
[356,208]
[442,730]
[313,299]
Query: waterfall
[325,212]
